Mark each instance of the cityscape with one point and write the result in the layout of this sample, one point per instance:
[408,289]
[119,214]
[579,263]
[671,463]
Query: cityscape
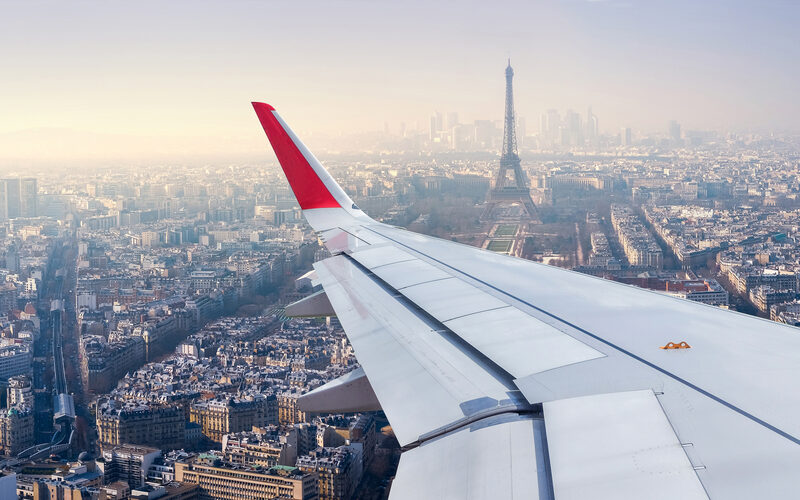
[150,344]
[146,350]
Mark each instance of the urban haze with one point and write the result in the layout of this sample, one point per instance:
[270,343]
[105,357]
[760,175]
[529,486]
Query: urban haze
[152,248]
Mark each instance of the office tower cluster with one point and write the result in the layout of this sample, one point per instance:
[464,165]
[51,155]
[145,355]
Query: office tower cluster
[568,130]
[446,133]
[19,197]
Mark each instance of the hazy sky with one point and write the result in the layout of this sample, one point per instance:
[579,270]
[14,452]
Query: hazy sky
[135,78]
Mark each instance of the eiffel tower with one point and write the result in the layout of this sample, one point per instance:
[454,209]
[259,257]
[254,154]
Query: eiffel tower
[506,191]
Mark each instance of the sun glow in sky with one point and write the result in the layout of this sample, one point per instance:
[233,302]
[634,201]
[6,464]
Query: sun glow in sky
[142,79]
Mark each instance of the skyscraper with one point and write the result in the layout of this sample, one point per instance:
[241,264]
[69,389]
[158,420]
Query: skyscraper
[592,130]
[437,125]
[451,120]
[572,134]
[10,188]
[28,197]
[625,136]
[675,132]
[550,127]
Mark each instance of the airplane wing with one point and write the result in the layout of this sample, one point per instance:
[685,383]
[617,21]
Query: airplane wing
[505,378]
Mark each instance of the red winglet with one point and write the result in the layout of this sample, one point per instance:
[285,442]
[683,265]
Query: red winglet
[308,188]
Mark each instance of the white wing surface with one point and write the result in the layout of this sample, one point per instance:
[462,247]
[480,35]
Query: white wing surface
[505,378]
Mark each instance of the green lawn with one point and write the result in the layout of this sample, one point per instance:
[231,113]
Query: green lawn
[506,230]
[499,245]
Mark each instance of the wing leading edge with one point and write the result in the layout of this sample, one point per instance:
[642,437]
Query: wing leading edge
[470,353]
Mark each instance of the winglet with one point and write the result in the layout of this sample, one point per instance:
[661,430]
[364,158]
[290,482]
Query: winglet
[312,185]
[262,105]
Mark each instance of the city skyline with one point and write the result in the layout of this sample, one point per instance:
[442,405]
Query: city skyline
[174,81]
[424,290]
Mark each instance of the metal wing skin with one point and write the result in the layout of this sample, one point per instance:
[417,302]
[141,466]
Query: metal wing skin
[505,378]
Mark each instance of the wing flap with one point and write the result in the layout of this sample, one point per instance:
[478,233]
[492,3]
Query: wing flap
[409,273]
[617,446]
[375,257]
[500,458]
[519,343]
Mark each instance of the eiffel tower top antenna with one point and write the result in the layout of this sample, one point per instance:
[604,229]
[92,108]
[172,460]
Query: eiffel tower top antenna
[509,125]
